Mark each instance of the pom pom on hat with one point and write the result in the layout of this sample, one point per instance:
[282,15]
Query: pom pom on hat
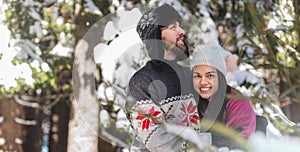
[212,56]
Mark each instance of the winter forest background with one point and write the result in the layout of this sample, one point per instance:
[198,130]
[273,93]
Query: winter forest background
[65,66]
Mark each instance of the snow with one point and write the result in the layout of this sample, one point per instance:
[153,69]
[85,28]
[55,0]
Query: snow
[2,10]
[35,64]
[128,19]
[30,3]
[45,67]
[34,14]
[26,48]
[92,8]
[122,121]
[105,93]
[59,21]
[38,29]
[209,32]
[61,50]
[239,31]
[272,24]
[10,72]
[112,93]
[203,8]
[21,49]
[110,31]
[245,73]
[2,141]
[272,132]
[226,149]
[7,78]
[259,143]
[116,3]
[104,118]
[109,55]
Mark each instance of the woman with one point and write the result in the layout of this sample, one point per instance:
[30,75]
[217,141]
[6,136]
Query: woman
[209,70]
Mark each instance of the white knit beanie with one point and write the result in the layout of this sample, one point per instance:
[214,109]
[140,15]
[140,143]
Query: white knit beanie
[212,56]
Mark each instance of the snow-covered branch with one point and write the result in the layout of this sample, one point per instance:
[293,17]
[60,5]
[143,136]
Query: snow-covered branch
[25,122]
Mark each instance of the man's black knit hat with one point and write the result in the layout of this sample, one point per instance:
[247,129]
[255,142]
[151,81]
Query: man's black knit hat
[155,18]
[149,28]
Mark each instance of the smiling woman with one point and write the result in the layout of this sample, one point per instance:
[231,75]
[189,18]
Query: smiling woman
[209,70]
[205,79]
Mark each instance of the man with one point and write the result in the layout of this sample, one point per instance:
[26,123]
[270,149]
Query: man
[162,88]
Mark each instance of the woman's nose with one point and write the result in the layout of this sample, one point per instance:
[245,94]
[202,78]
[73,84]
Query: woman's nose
[203,81]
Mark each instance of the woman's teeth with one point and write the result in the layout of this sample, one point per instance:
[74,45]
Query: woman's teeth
[204,89]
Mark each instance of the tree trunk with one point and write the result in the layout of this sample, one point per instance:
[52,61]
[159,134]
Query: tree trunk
[59,132]
[84,122]
[83,127]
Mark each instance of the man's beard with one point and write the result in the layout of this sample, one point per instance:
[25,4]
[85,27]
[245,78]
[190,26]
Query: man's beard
[180,52]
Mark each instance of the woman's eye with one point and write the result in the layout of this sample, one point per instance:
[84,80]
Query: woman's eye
[196,76]
[210,75]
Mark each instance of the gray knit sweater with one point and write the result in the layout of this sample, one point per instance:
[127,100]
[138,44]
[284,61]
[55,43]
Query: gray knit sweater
[162,89]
